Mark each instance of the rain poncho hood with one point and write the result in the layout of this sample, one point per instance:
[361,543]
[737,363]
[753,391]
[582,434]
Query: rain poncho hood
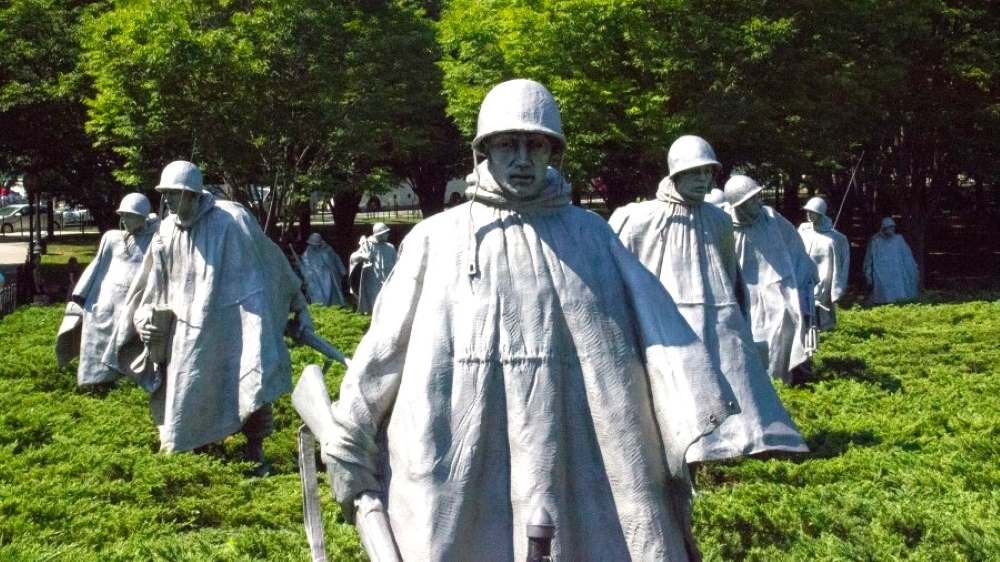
[323,272]
[231,290]
[831,252]
[779,278]
[102,289]
[541,378]
[689,247]
[891,270]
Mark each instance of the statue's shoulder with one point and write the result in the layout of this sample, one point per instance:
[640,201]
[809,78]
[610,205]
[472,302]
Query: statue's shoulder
[636,214]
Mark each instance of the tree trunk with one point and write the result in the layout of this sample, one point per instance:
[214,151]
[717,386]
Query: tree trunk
[344,211]
[430,187]
[303,214]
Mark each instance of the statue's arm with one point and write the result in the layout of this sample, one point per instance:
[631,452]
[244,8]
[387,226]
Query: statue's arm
[370,386]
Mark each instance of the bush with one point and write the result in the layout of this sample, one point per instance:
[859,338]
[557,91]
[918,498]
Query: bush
[902,420]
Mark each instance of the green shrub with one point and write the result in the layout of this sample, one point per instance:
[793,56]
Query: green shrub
[902,419]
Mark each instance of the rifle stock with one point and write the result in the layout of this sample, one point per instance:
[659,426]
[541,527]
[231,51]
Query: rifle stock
[312,402]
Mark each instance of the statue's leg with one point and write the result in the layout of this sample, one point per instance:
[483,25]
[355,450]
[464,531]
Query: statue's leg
[258,426]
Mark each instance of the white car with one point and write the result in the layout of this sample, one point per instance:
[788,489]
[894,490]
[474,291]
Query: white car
[76,215]
[15,218]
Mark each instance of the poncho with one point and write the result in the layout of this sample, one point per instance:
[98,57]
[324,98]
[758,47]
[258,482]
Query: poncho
[779,278]
[102,288]
[231,290]
[890,270]
[372,263]
[689,247]
[323,272]
[831,252]
[513,361]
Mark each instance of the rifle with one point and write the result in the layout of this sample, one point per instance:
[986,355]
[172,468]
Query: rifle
[312,401]
[848,190]
[301,271]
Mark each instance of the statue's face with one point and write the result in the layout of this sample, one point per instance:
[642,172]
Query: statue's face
[888,230]
[750,210]
[133,222]
[693,184]
[814,217]
[518,161]
[182,203]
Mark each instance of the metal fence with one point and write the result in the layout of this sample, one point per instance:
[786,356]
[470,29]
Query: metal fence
[8,299]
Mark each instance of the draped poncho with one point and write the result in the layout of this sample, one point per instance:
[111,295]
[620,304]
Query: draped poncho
[102,288]
[891,270]
[689,247]
[323,272]
[779,278]
[372,263]
[231,290]
[514,360]
[831,252]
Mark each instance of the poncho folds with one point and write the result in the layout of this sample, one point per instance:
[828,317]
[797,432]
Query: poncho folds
[689,247]
[102,288]
[323,272]
[231,290]
[890,270]
[371,263]
[831,252]
[779,278]
[542,378]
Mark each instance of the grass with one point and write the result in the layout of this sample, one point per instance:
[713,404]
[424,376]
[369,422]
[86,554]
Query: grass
[902,419]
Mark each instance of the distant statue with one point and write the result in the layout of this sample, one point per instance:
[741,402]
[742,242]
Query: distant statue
[205,318]
[97,298]
[371,265]
[519,358]
[890,269]
[831,252]
[323,272]
[689,246]
[778,276]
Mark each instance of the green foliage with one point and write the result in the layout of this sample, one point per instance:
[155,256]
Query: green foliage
[80,477]
[900,418]
[904,438]
[298,96]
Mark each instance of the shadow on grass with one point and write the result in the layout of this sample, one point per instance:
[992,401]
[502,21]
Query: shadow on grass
[830,443]
[852,368]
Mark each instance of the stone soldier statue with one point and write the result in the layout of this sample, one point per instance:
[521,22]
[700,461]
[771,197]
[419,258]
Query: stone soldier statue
[890,269]
[211,303]
[98,297]
[514,361]
[777,274]
[371,265]
[831,252]
[323,272]
[688,245]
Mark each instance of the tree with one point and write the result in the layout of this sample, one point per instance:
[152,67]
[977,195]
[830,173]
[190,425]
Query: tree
[277,99]
[41,110]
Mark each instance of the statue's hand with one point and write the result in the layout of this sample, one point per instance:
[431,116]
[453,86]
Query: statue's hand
[151,335]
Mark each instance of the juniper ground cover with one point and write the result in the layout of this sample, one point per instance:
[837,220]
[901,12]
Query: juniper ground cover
[902,419]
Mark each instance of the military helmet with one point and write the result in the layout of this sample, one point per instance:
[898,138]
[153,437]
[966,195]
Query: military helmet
[887,221]
[314,239]
[379,228]
[690,152]
[136,204]
[739,189]
[816,205]
[181,174]
[522,106]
